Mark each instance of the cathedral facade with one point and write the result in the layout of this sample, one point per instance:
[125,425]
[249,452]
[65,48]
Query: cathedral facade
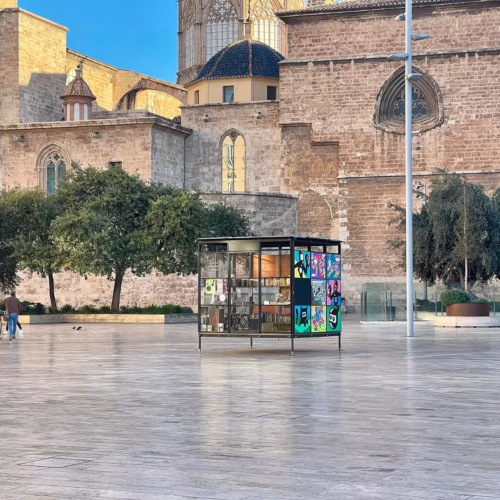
[292,113]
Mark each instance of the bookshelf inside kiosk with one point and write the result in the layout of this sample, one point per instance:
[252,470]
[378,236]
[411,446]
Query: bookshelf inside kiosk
[269,287]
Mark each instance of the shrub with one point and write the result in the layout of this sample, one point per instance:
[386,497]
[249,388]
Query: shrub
[186,310]
[105,310]
[32,308]
[87,310]
[451,297]
[67,309]
[480,301]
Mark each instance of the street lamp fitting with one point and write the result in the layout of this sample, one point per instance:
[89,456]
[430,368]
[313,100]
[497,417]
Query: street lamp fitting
[413,77]
[419,36]
[398,57]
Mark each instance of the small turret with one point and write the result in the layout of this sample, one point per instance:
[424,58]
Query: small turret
[78,99]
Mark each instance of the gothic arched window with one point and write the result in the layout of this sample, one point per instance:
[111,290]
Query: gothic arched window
[266,27]
[222,26]
[52,170]
[427,104]
[233,162]
[189,16]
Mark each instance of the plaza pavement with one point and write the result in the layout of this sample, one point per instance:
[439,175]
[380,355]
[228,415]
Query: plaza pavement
[134,412]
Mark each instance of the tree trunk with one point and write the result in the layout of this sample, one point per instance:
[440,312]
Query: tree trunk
[53,303]
[117,290]
[462,279]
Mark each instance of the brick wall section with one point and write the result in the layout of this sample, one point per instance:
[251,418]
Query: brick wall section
[99,77]
[167,158]
[270,214]
[309,168]
[335,87]
[42,79]
[375,31]
[203,148]
[9,66]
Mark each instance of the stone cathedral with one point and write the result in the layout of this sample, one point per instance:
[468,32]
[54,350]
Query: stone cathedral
[292,112]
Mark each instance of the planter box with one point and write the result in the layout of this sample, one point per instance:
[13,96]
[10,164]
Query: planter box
[468,310]
[467,322]
[45,319]
[42,319]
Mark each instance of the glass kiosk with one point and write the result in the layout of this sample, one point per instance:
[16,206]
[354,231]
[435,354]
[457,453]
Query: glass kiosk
[275,286]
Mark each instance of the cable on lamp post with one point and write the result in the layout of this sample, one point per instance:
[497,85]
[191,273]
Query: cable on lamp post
[410,77]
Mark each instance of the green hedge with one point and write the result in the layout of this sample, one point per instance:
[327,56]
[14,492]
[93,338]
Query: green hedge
[454,296]
[166,309]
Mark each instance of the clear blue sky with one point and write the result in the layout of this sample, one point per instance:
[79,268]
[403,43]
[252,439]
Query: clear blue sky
[130,34]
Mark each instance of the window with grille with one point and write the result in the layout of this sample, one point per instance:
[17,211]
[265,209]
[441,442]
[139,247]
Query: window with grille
[233,162]
[222,27]
[266,27]
[54,172]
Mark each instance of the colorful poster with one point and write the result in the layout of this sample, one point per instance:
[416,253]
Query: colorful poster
[333,266]
[302,319]
[318,265]
[333,293]
[318,319]
[334,319]
[209,287]
[302,264]
[318,292]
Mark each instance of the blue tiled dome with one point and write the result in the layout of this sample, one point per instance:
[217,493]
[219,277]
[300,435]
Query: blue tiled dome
[243,59]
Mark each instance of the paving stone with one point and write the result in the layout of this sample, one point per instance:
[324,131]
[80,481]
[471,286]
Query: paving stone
[122,412]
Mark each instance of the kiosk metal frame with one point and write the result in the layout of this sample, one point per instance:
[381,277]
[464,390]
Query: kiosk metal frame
[240,325]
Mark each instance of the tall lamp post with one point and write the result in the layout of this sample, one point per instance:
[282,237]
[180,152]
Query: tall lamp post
[410,77]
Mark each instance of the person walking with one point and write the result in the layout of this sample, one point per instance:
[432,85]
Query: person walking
[13,306]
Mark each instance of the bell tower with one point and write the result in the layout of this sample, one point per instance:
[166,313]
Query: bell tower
[207,26]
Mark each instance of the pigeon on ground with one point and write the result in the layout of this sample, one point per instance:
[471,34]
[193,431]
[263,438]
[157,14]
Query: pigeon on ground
[77,328]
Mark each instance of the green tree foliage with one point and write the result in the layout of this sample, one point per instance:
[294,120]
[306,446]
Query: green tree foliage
[8,263]
[113,222]
[456,233]
[174,223]
[30,214]
[104,210]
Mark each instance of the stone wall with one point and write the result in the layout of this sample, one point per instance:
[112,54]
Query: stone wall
[9,66]
[257,122]
[333,86]
[271,214]
[158,103]
[129,140]
[72,289]
[373,31]
[98,75]
[167,157]
[42,65]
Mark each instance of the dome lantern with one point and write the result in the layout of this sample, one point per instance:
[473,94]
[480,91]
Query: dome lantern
[78,98]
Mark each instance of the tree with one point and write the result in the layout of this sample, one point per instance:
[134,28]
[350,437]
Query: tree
[31,213]
[456,233]
[8,263]
[174,223]
[103,212]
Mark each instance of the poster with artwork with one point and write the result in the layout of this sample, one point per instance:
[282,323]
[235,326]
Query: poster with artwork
[318,265]
[318,319]
[302,319]
[334,318]
[333,266]
[333,294]
[209,287]
[318,292]
[302,264]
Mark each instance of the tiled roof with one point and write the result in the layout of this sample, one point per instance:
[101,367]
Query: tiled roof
[353,5]
[245,58]
[78,87]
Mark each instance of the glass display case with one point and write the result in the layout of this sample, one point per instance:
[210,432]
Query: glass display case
[270,287]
